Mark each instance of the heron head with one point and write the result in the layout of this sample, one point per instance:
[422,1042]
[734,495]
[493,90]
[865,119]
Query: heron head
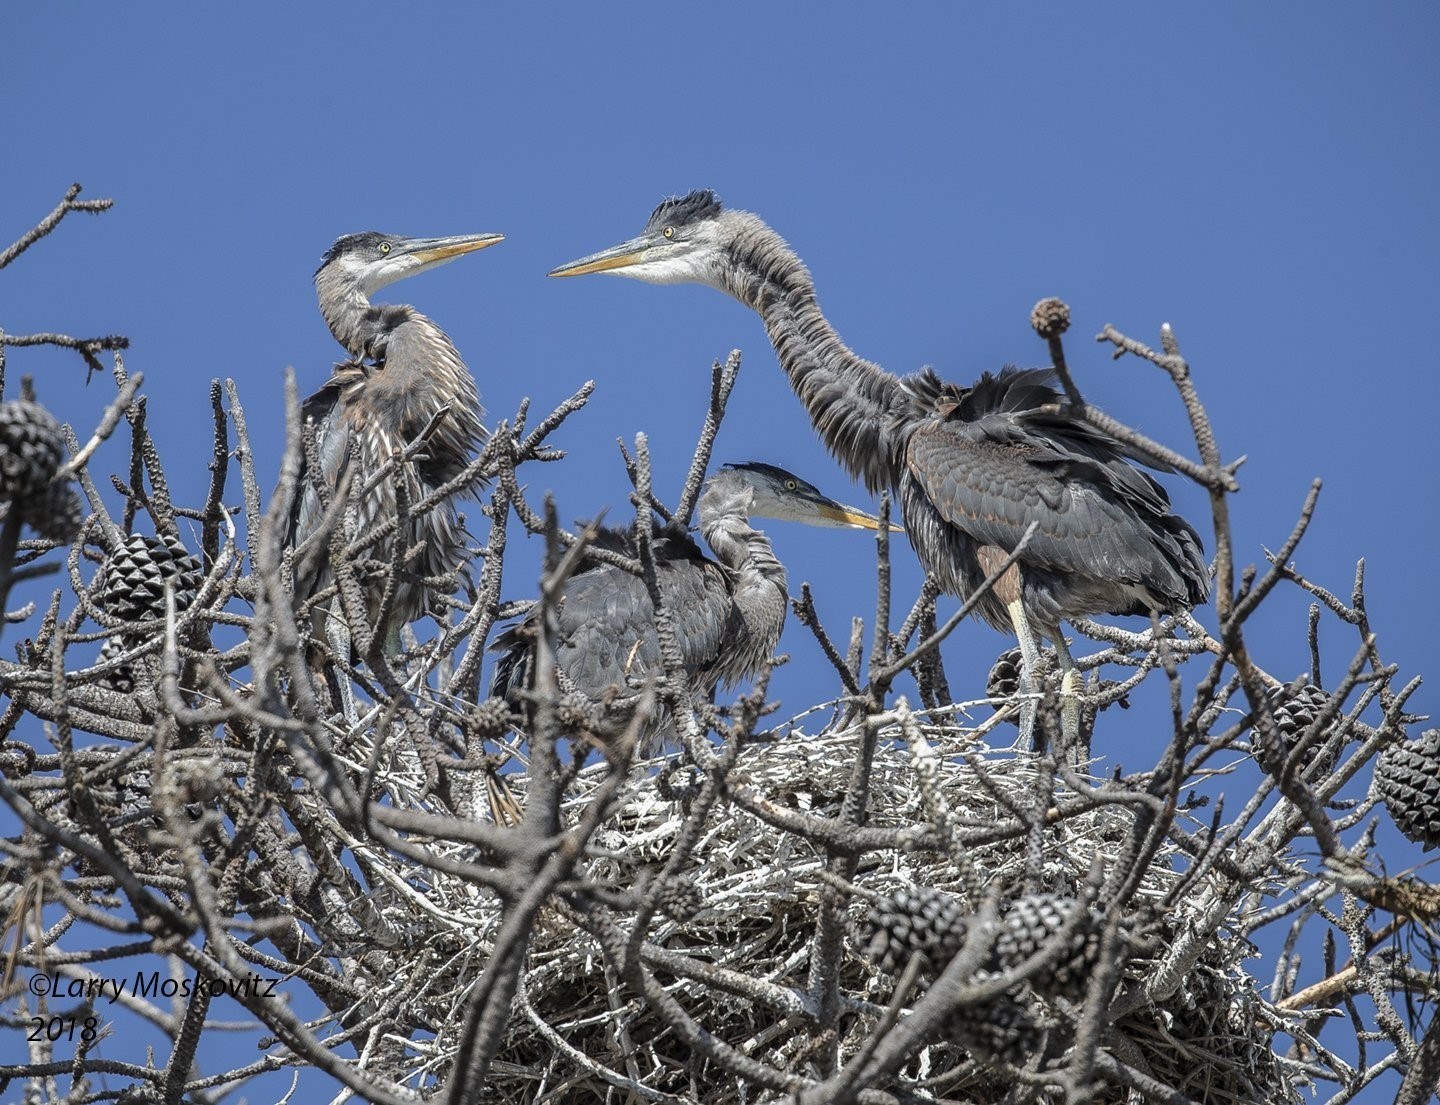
[370,260]
[681,244]
[775,493]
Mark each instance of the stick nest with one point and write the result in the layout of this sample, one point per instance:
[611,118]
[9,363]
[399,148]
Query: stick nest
[753,899]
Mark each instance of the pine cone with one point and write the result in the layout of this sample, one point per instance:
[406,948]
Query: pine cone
[490,718]
[1408,778]
[935,924]
[135,576]
[1000,1029]
[575,713]
[122,679]
[1004,679]
[1294,713]
[54,512]
[916,919]
[1003,682]
[31,449]
[679,899]
[141,1093]
[1050,318]
[1033,921]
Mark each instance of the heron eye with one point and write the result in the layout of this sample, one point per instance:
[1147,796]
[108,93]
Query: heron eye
[384,247]
[669,232]
[791,485]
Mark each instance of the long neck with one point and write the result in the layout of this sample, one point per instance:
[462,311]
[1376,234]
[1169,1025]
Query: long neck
[346,309]
[420,371]
[857,407]
[761,587]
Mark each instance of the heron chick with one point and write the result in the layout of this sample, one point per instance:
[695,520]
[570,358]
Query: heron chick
[973,466]
[404,375]
[727,613]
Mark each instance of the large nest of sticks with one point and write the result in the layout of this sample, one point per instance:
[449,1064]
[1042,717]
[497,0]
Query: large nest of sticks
[733,939]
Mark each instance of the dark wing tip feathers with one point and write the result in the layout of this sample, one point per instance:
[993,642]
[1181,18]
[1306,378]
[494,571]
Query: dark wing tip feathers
[1012,391]
[511,668]
[700,204]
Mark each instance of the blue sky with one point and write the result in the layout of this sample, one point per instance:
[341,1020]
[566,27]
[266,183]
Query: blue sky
[1260,176]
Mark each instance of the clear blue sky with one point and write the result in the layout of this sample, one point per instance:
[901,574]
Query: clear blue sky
[1260,176]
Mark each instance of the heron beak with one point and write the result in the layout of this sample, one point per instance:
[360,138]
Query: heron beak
[616,257]
[843,515]
[435,251]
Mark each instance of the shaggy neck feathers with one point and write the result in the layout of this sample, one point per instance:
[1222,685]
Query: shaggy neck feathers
[853,404]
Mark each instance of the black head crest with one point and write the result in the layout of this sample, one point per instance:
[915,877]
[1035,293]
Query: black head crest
[699,205]
[778,476]
[349,243]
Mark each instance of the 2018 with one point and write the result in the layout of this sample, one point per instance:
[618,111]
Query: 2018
[56,1029]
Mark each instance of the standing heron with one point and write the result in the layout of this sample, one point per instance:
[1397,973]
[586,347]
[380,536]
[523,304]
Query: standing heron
[404,374]
[727,613]
[973,466]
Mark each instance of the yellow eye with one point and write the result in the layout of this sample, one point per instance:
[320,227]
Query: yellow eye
[791,485]
[384,247]
[669,232]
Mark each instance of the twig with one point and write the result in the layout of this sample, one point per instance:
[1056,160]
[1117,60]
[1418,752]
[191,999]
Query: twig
[67,204]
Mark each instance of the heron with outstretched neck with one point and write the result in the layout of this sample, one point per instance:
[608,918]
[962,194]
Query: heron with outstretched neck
[404,377]
[973,466]
[727,613]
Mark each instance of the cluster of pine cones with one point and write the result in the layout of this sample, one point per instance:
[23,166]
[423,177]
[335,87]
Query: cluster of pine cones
[920,920]
[1407,774]
[933,925]
[134,576]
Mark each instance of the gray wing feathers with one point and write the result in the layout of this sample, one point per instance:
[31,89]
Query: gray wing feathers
[606,626]
[991,479]
[332,446]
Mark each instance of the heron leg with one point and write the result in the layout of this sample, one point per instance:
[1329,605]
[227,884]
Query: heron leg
[1010,590]
[1029,673]
[338,634]
[1069,696]
[401,641]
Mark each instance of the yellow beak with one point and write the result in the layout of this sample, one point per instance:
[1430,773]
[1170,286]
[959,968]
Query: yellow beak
[616,257]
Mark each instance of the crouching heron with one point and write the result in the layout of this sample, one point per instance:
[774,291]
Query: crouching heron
[727,613]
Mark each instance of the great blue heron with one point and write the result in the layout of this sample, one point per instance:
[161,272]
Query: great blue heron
[403,372]
[727,613]
[973,466]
